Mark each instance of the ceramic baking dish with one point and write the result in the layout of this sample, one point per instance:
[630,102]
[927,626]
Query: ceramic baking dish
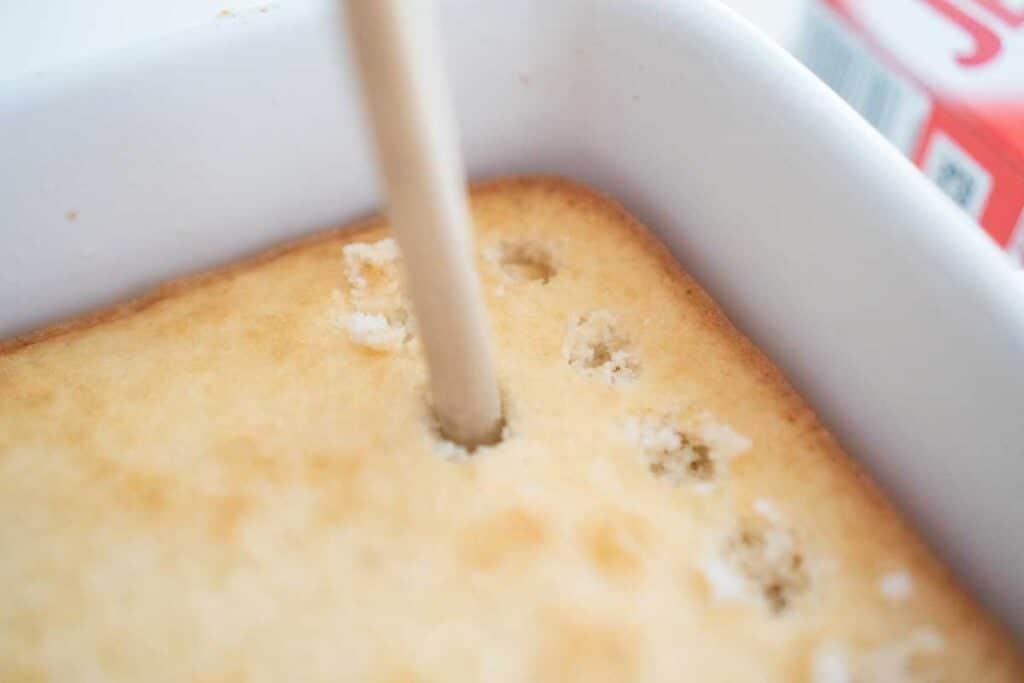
[896,318]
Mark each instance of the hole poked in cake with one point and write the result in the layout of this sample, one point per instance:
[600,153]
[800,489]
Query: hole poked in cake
[674,455]
[453,451]
[760,561]
[378,316]
[596,344]
[371,268]
[676,451]
[525,260]
[768,557]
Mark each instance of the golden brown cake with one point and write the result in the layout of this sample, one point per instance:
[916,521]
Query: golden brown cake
[238,479]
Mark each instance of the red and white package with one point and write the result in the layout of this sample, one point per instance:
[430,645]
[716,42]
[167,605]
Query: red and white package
[943,80]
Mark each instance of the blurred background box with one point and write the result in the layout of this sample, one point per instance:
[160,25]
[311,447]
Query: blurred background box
[943,80]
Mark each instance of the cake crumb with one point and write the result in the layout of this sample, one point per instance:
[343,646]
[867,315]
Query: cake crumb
[595,344]
[896,586]
[766,555]
[371,265]
[721,437]
[375,331]
[675,453]
[378,316]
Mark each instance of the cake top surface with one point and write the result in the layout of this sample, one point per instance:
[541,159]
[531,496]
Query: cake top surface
[238,479]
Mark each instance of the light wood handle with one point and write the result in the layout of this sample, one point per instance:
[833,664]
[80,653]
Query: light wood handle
[399,58]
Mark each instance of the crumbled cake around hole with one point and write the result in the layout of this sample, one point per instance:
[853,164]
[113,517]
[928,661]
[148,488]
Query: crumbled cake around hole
[371,267]
[525,260]
[767,565]
[675,453]
[595,344]
[379,331]
[456,452]
[378,317]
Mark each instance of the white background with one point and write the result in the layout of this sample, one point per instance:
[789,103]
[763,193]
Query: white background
[43,35]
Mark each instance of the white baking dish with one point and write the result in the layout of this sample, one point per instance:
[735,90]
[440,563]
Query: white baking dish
[893,316]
